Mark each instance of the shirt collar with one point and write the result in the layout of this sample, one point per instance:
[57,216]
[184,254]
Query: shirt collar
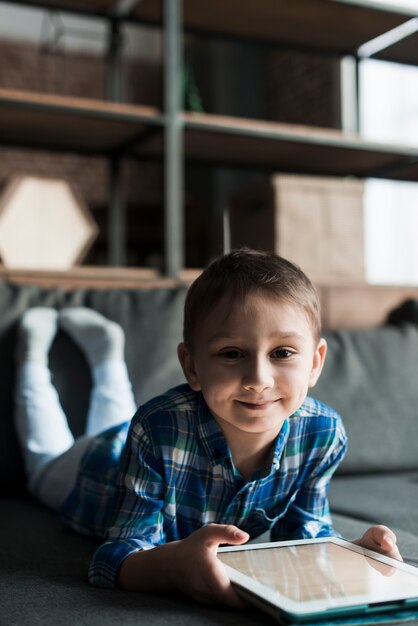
[210,433]
[280,445]
[214,441]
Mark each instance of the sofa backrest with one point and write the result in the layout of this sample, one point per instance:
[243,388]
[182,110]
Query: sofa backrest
[370,375]
[371,378]
[152,320]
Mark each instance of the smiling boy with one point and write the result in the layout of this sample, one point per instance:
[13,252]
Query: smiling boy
[240,449]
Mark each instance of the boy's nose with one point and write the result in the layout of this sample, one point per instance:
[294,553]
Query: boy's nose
[259,376]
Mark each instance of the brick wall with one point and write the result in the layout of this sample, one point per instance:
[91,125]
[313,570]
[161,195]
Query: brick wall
[303,89]
[299,88]
[25,66]
[30,67]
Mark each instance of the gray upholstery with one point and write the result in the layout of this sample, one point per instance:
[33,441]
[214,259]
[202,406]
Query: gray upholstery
[152,320]
[352,528]
[390,499]
[43,580]
[369,378]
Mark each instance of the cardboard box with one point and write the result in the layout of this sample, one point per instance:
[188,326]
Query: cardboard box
[316,222]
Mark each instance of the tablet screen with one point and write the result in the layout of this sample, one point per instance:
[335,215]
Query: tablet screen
[322,571]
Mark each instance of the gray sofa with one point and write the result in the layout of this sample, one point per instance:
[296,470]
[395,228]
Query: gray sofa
[371,378]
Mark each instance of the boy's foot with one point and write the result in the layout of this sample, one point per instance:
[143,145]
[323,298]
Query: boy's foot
[99,338]
[38,327]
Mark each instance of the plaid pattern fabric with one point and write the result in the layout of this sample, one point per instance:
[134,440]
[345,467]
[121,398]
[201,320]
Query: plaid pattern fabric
[89,506]
[176,475]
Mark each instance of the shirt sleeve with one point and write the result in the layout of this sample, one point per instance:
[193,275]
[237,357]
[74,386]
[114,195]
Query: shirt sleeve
[308,515]
[138,521]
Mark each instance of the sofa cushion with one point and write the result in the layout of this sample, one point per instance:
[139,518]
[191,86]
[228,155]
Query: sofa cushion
[43,580]
[369,375]
[389,499]
[152,320]
[371,378]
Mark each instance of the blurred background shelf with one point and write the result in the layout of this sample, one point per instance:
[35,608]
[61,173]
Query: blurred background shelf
[90,126]
[341,26]
[172,137]
[275,146]
[85,126]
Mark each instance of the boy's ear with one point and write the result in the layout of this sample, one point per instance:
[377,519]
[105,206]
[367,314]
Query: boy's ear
[318,361]
[188,366]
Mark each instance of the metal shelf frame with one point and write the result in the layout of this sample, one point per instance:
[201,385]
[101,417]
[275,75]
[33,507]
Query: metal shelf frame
[174,258]
[115,13]
[178,129]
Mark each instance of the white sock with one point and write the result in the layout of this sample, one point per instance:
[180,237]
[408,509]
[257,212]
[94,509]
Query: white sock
[37,330]
[99,338]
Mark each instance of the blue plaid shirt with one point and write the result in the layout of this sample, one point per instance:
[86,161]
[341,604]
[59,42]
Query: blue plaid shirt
[176,474]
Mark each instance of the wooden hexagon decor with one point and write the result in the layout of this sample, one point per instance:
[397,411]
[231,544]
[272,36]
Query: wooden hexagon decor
[44,224]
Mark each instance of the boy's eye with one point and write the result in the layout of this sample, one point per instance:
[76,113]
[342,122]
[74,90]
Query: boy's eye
[231,354]
[281,353]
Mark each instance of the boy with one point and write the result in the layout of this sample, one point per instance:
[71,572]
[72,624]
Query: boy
[237,451]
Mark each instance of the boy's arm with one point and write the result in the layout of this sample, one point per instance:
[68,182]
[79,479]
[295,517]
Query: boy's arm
[136,556]
[308,514]
[189,565]
[137,517]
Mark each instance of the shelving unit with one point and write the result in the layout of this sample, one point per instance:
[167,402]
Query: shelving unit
[93,127]
[337,27]
[231,141]
[86,126]
[340,26]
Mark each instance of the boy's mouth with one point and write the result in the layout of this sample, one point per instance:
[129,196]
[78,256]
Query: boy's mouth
[259,405]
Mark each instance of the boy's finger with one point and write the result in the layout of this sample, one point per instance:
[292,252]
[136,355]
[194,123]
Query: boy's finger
[381,539]
[388,545]
[393,551]
[224,533]
[386,540]
[380,536]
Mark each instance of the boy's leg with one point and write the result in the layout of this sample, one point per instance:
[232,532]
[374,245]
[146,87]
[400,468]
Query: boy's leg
[40,421]
[103,341]
[60,475]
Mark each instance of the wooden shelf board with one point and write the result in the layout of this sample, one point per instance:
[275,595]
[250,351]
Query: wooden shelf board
[333,26]
[88,7]
[361,305]
[30,119]
[348,305]
[98,277]
[229,141]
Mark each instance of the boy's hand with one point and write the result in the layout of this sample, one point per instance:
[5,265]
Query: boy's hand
[380,539]
[197,570]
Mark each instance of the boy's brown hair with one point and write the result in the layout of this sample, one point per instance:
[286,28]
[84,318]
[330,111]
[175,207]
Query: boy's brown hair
[243,271]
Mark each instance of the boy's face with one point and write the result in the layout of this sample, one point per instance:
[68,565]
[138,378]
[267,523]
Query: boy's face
[254,362]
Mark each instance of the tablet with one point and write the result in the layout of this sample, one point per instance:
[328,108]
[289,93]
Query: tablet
[311,579]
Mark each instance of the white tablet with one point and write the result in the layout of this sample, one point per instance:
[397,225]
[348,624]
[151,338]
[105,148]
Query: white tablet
[322,578]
